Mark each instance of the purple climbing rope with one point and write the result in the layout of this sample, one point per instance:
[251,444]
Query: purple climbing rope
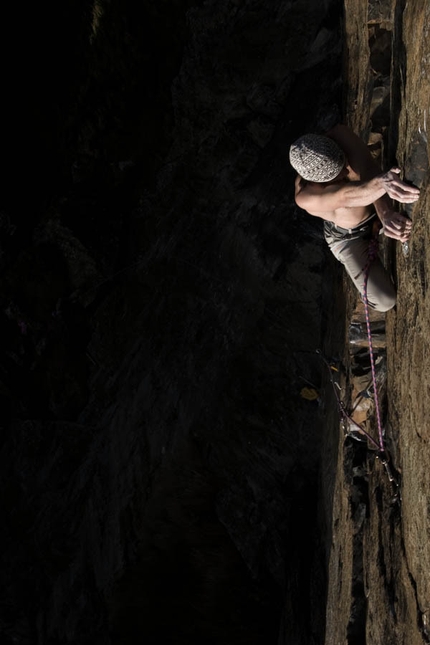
[373,254]
[341,407]
[380,444]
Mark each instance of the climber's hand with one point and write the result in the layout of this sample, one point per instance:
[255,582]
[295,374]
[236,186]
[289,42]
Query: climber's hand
[396,225]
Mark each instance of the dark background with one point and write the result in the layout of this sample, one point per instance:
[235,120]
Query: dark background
[162,299]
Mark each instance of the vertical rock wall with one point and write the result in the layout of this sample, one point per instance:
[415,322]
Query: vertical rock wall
[378,574]
[409,384]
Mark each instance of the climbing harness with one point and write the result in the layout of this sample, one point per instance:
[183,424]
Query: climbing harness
[378,445]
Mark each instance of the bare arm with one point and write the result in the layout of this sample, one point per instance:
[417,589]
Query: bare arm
[395,224]
[316,198]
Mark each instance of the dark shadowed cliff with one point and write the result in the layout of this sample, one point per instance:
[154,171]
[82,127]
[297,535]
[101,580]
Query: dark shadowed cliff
[162,301]
[164,477]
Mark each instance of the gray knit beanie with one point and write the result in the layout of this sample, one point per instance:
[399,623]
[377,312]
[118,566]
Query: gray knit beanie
[316,158]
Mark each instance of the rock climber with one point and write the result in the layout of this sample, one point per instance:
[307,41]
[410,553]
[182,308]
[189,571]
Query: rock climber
[339,181]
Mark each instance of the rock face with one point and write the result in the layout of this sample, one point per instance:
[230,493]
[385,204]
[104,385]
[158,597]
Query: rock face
[378,572]
[164,477]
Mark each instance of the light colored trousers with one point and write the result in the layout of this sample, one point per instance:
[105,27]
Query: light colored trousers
[351,248]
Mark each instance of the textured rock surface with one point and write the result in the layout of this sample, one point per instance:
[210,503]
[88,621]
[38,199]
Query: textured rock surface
[378,574]
[409,327]
[162,471]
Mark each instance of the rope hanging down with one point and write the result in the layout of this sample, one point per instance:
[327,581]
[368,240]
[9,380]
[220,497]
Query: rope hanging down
[378,445]
[373,253]
[382,453]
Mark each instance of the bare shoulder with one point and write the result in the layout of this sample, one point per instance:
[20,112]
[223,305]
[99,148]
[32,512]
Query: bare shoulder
[317,199]
[306,189]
